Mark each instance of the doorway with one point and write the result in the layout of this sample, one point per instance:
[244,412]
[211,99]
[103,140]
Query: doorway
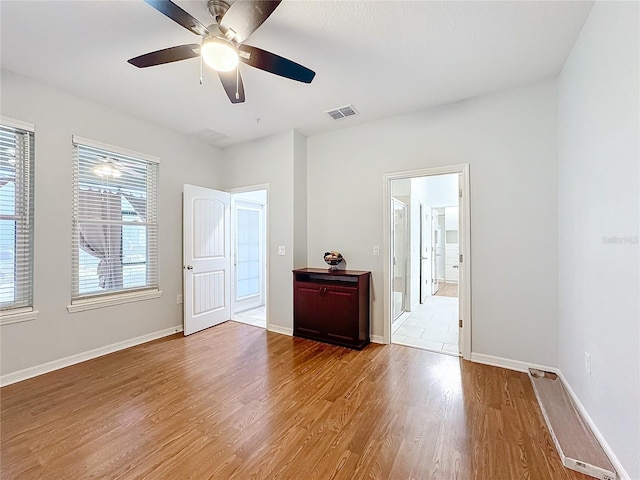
[435,314]
[248,270]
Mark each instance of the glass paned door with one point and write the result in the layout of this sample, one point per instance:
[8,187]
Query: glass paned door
[249,255]
[248,278]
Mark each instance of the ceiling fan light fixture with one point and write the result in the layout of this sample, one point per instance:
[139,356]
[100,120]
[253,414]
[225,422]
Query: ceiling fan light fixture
[106,169]
[219,54]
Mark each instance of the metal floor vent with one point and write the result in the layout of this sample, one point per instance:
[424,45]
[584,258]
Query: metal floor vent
[578,447]
[342,112]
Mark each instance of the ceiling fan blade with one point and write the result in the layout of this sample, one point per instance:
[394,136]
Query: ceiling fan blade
[166,55]
[178,15]
[270,62]
[232,83]
[245,16]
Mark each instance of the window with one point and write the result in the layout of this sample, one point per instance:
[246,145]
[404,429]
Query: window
[16,217]
[115,231]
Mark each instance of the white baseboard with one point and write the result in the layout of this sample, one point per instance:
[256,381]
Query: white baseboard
[377,339]
[509,364]
[30,372]
[524,367]
[281,330]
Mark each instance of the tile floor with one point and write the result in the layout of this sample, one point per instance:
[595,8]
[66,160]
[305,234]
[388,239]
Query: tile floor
[432,326]
[256,317]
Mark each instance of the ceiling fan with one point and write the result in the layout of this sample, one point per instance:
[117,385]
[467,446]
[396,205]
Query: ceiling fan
[222,45]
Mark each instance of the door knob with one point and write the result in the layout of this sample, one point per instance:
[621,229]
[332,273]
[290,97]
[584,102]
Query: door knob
[189,267]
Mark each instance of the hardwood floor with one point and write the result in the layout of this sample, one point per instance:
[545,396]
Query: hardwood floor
[447,290]
[239,402]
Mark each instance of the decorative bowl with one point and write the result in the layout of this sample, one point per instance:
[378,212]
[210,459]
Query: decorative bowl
[333,259]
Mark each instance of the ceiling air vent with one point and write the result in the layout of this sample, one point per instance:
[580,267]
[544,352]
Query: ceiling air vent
[209,136]
[342,112]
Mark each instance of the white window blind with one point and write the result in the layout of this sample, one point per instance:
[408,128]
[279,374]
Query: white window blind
[16,217]
[115,231]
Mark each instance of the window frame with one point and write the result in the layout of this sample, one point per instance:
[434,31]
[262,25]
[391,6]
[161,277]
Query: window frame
[23,310]
[81,302]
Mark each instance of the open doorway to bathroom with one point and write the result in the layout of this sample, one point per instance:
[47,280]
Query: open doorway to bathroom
[249,231]
[426,243]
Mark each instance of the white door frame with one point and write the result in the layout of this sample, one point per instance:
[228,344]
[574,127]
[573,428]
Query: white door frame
[464,284]
[252,188]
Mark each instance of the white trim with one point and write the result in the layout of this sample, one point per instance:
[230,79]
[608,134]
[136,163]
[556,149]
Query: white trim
[250,188]
[509,364]
[465,249]
[378,339]
[30,372]
[464,269]
[524,367]
[82,305]
[17,316]
[13,123]
[282,330]
[77,140]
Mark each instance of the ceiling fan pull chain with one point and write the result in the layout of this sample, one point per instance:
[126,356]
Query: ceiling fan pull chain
[200,69]
[237,83]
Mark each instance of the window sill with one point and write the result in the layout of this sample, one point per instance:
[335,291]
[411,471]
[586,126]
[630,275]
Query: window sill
[18,316]
[110,300]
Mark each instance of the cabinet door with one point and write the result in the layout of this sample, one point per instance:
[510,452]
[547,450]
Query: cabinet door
[308,308]
[341,318]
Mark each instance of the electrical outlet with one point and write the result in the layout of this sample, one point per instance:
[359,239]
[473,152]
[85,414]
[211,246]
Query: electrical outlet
[587,362]
[281,250]
[179,299]
[376,250]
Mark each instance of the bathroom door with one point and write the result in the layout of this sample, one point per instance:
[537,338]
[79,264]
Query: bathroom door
[425,254]
[435,232]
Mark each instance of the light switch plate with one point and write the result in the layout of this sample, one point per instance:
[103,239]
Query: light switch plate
[376,250]
[281,250]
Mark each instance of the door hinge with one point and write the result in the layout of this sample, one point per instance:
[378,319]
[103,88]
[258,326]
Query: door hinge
[460,258]
[460,193]
[460,323]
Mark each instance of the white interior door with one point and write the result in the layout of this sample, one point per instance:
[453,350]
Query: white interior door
[207,258]
[425,254]
[434,251]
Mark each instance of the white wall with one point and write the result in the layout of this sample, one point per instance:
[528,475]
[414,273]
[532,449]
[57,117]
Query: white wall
[509,139]
[57,116]
[299,200]
[440,190]
[270,160]
[257,196]
[599,199]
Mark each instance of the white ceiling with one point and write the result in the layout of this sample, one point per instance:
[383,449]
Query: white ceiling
[384,57]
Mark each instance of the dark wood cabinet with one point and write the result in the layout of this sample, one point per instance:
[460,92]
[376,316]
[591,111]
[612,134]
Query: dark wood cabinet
[332,306]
